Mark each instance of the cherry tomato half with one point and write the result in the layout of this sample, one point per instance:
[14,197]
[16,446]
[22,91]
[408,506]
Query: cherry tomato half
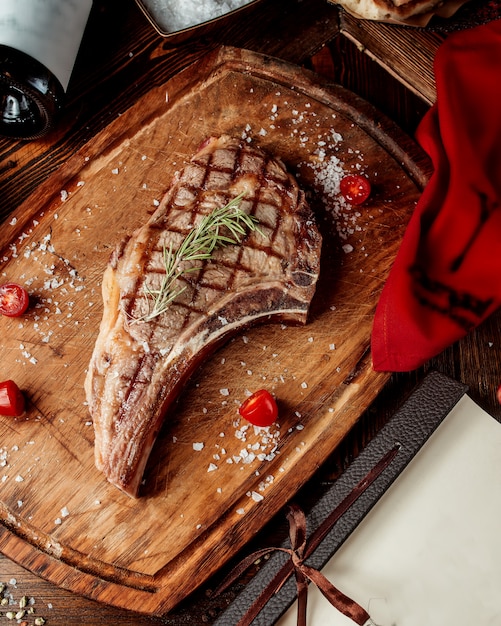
[12,402]
[355,188]
[259,409]
[14,300]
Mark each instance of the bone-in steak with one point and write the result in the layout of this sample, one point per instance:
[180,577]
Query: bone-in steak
[140,365]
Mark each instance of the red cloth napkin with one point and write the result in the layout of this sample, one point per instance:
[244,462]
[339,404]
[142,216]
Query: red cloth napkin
[446,278]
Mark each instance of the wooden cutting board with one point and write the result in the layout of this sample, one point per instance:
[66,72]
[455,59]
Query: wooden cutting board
[210,483]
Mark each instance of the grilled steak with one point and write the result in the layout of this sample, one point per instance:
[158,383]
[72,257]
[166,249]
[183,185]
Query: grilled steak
[139,365]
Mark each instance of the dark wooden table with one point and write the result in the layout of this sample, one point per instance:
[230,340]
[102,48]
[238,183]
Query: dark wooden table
[121,58]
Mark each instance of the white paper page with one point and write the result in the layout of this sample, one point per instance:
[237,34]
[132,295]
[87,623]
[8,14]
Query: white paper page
[429,552]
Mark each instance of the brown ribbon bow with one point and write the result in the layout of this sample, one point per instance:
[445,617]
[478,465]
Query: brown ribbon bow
[299,552]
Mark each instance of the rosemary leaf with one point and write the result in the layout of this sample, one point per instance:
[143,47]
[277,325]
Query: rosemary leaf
[226,225]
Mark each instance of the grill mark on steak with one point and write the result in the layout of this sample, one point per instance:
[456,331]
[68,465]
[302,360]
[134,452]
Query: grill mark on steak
[138,368]
[197,281]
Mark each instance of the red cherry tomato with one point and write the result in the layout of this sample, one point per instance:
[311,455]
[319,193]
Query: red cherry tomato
[12,401]
[355,188]
[14,300]
[260,408]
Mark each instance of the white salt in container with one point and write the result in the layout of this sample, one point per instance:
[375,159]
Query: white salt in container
[184,18]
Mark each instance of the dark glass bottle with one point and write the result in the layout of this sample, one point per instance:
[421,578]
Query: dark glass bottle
[31,97]
[39,41]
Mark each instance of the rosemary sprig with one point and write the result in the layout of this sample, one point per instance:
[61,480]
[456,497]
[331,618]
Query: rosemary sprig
[225,225]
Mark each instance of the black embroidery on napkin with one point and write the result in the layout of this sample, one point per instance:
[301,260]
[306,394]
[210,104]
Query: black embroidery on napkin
[463,307]
[487,208]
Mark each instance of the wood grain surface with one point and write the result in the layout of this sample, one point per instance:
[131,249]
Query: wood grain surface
[407,53]
[61,519]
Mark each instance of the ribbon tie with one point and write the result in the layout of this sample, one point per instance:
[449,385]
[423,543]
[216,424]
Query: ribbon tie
[300,550]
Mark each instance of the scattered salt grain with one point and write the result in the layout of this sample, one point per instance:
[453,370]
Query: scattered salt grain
[198,446]
[257,497]
[3,457]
